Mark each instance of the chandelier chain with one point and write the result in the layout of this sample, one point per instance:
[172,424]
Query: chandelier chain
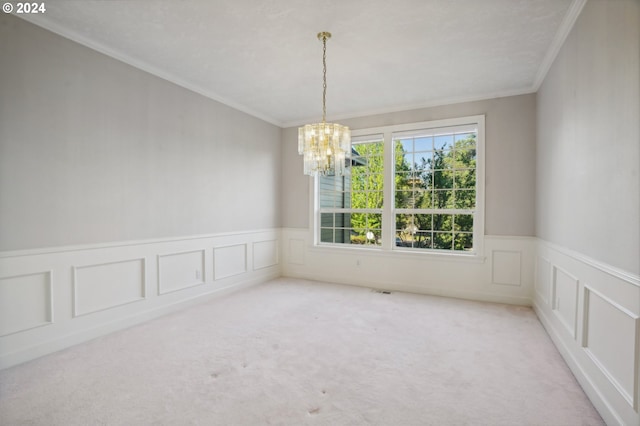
[326,147]
[324,78]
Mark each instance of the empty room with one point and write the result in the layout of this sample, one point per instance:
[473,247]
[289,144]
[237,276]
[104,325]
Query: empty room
[339,212]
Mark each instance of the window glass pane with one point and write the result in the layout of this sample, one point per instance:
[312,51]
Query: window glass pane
[425,180]
[326,235]
[463,222]
[442,222]
[402,220]
[423,144]
[423,161]
[425,200]
[442,199]
[327,183]
[424,222]
[326,220]
[443,142]
[374,199]
[367,177]
[442,179]
[357,236]
[465,158]
[407,144]
[341,235]
[326,199]
[442,241]
[463,136]
[358,220]
[403,199]
[404,180]
[365,237]
[463,241]
[465,179]
[342,220]
[374,221]
[465,199]
[400,242]
[423,240]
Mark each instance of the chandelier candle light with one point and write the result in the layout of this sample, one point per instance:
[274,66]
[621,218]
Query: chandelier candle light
[326,147]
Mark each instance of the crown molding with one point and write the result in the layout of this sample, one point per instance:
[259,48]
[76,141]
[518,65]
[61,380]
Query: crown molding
[411,107]
[561,35]
[43,22]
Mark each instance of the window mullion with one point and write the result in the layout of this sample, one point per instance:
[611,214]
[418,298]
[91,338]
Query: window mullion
[388,223]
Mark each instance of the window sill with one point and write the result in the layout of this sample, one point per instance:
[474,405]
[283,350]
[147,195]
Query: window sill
[399,253]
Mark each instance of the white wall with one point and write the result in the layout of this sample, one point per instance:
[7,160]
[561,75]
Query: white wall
[94,150]
[587,288]
[588,147]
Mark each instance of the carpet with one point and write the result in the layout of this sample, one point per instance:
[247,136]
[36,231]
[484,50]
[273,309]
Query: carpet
[295,352]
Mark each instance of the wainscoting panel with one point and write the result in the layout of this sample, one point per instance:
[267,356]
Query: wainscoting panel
[265,254]
[25,302]
[103,286]
[54,298]
[229,261]
[594,320]
[610,332]
[505,275]
[543,279]
[506,267]
[565,299]
[177,271]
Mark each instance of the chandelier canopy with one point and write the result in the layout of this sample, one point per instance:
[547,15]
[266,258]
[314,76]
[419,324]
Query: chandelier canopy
[325,147]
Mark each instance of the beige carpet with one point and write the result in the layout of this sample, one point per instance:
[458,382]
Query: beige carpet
[293,352]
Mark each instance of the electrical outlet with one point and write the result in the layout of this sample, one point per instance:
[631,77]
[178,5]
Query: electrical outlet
[198,274]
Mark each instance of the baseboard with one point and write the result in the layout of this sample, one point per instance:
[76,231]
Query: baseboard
[415,289]
[595,396]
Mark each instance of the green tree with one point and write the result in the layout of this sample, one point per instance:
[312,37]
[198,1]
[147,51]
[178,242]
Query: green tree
[367,186]
[444,178]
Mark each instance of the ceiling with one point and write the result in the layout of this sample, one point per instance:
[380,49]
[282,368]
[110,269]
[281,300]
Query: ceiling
[263,57]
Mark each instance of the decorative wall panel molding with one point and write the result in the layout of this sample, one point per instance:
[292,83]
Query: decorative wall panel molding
[609,337]
[97,287]
[265,254]
[177,271]
[594,320]
[25,302]
[564,290]
[543,279]
[506,267]
[428,273]
[229,261]
[102,288]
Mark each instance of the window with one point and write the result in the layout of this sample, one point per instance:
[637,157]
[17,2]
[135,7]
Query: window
[433,173]
[351,206]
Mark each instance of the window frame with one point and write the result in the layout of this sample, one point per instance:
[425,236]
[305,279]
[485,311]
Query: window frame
[389,209]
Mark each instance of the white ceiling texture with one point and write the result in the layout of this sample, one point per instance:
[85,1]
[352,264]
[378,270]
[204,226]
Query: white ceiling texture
[262,56]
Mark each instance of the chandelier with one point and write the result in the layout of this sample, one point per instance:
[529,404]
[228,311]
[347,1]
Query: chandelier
[326,147]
